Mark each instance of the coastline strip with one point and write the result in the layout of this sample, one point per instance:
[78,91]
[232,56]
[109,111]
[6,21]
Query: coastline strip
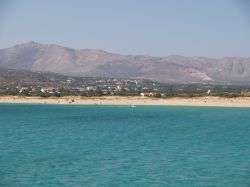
[120,100]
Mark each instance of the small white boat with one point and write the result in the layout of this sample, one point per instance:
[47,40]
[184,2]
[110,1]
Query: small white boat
[132,106]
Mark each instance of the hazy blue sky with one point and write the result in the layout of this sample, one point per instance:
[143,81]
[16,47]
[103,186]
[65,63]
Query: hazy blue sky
[212,28]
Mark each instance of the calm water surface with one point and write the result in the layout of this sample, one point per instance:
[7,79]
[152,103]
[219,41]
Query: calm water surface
[59,145]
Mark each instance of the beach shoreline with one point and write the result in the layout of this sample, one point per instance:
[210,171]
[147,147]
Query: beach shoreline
[131,100]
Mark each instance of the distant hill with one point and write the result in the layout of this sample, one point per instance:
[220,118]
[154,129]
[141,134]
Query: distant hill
[97,63]
[12,77]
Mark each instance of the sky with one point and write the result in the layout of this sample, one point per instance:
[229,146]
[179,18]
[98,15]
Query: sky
[212,28]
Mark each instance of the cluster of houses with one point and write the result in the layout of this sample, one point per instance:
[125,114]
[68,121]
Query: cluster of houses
[31,90]
[107,86]
[50,90]
[91,86]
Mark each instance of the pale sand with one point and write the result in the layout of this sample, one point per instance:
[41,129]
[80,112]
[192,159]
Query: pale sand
[116,100]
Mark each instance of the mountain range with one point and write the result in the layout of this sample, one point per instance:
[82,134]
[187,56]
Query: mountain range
[98,63]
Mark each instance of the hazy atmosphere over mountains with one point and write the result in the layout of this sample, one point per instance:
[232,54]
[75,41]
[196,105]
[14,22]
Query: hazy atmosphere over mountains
[97,63]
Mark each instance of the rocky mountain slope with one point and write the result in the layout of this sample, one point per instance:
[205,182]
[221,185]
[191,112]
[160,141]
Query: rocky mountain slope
[98,63]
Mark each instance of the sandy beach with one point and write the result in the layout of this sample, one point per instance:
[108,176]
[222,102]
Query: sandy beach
[118,100]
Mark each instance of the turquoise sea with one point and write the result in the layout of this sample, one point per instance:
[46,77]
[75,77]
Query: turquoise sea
[73,145]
